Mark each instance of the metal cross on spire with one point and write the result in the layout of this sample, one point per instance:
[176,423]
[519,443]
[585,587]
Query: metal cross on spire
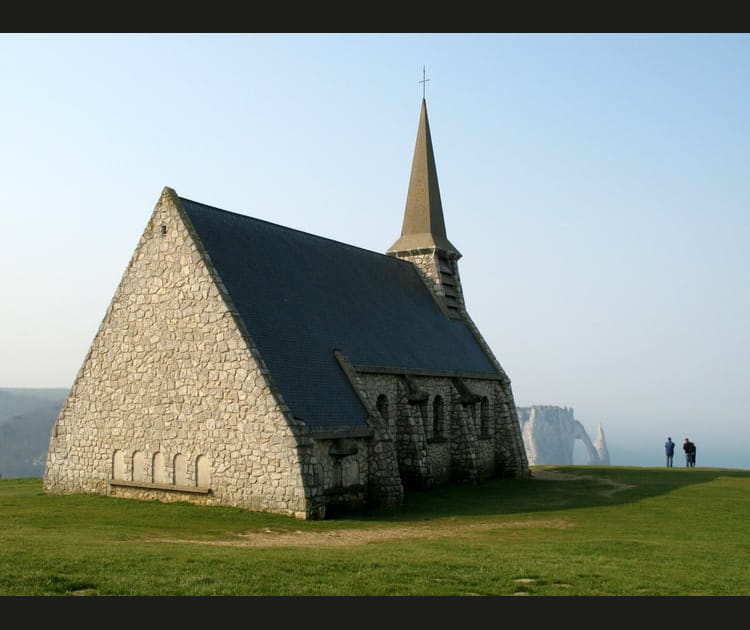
[423,82]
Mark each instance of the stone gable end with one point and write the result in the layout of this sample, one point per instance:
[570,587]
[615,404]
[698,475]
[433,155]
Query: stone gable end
[172,401]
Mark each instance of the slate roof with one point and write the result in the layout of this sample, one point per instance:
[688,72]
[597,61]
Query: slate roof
[303,296]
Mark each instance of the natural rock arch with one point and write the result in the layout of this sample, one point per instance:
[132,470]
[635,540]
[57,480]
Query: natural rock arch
[550,434]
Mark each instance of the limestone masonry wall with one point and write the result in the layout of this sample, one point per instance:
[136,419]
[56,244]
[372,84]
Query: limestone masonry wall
[440,437]
[168,380]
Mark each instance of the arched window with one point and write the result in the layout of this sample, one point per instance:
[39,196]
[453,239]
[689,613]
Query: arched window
[438,417]
[180,470]
[484,429]
[159,472]
[139,466]
[338,477]
[382,405]
[118,465]
[383,410]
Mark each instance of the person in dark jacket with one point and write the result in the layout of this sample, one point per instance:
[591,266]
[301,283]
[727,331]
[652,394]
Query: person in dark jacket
[669,448]
[689,448]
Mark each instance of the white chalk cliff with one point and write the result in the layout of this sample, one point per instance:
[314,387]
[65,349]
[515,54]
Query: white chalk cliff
[550,434]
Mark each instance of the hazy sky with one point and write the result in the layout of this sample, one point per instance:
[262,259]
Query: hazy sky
[596,185]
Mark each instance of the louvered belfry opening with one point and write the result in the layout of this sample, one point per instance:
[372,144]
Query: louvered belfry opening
[448,280]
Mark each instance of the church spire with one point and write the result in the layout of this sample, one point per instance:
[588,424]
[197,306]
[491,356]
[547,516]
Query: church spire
[424,227]
[423,241]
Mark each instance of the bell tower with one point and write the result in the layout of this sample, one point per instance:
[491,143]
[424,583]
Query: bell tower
[423,239]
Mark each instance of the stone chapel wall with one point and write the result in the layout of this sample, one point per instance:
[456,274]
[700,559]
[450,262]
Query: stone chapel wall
[448,441]
[170,403]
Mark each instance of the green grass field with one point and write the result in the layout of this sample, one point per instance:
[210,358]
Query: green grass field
[594,531]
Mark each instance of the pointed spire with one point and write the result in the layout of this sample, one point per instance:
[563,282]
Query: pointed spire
[423,226]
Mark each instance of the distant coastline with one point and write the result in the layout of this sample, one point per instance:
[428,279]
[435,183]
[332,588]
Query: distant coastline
[28,413]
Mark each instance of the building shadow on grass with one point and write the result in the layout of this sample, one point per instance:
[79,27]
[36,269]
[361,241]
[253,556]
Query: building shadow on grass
[549,489]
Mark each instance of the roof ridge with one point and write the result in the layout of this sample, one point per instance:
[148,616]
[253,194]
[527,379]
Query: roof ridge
[291,229]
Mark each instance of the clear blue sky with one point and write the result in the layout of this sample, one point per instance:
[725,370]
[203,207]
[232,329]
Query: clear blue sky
[596,184]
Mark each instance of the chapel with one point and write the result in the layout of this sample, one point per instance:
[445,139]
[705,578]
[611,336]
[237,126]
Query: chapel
[248,364]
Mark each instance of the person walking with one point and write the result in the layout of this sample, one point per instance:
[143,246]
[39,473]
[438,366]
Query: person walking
[669,448]
[689,449]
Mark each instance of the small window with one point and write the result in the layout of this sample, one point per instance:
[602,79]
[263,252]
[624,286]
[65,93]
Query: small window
[158,469]
[438,417]
[180,470]
[382,405]
[118,465]
[384,410]
[202,472]
[484,429]
[338,479]
[139,466]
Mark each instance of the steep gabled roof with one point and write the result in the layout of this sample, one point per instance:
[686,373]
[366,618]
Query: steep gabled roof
[301,297]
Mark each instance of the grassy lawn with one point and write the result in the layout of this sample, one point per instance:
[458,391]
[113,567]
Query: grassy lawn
[592,531]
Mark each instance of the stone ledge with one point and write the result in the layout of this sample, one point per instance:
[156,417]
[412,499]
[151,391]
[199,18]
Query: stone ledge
[146,485]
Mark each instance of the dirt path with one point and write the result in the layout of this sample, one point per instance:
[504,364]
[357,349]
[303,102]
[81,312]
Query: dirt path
[343,537]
